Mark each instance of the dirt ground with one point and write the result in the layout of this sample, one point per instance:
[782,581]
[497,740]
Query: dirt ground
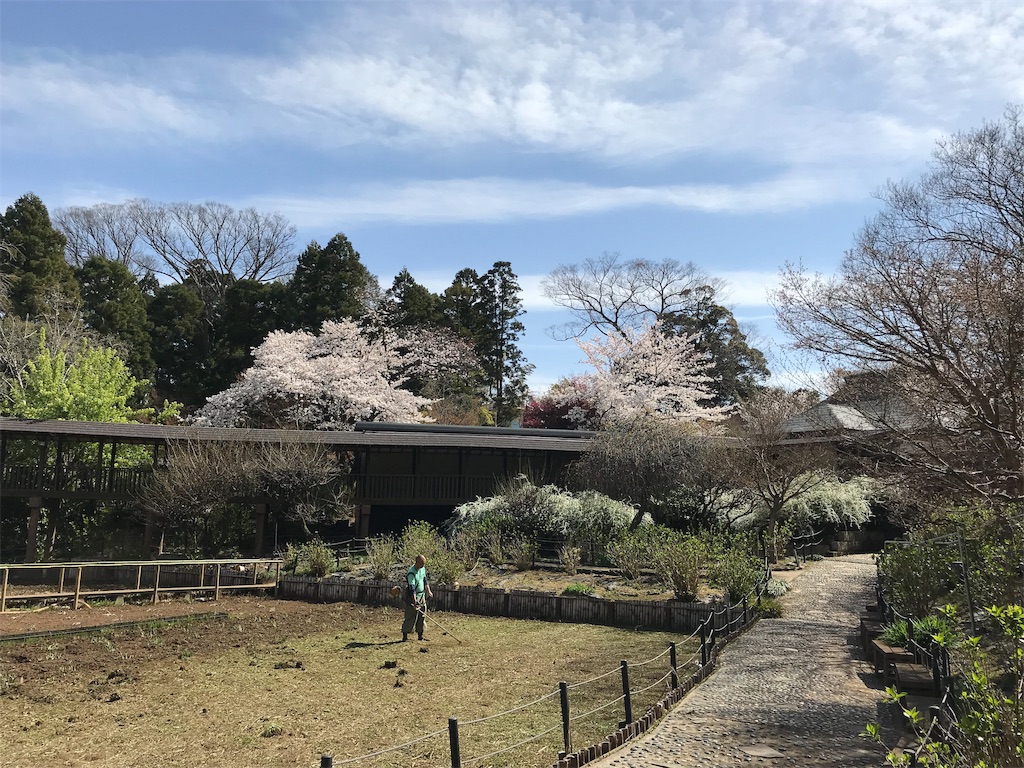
[277,683]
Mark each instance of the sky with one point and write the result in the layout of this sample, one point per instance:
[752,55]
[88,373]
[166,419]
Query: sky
[442,135]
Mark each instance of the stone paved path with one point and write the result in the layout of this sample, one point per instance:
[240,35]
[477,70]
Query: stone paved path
[794,691]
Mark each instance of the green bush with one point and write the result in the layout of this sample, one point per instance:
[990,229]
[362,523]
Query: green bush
[897,633]
[916,577]
[679,560]
[578,588]
[633,552]
[445,567]
[769,608]
[736,573]
[776,588]
[318,558]
[927,628]
[570,558]
[521,552]
[420,538]
[382,555]
[466,545]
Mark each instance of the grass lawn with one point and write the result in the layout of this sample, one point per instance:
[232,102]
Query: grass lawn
[278,683]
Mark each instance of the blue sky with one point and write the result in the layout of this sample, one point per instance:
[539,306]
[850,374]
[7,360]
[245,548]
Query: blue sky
[737,135]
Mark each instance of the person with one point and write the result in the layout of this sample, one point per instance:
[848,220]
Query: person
[417,590]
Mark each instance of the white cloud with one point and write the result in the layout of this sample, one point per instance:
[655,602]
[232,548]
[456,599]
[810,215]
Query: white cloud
[748,288]
[500,199]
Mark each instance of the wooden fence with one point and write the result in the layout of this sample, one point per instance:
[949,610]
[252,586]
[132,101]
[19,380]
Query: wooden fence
[79,580]
[667,616]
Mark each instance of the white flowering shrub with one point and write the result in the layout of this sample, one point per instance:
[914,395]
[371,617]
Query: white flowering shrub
[832,502]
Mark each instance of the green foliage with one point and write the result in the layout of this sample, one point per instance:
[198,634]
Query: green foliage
[521,551]
[988,712]
[679,560]
[633,552]
[769,608]
[925,629]
[445,566]
[329,283]
[578,588]
[312,558]
[35,267]
[420,538]
[916,577]
[897,633]
[736,573]
[776,588]
[382,554]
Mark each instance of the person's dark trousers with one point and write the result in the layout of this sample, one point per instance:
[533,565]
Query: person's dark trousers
[413,620]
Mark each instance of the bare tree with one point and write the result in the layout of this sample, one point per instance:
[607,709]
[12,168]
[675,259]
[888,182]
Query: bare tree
[613,295]
[765,463]
[211,243]
[931,297]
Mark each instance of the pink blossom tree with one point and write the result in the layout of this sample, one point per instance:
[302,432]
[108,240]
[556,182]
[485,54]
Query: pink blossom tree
[326,381]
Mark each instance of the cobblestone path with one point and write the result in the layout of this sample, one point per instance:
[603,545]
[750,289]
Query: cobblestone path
[794,691]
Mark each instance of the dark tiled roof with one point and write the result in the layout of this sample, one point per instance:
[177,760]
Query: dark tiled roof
[368,435]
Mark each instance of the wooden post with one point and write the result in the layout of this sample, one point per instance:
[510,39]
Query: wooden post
[744,610]
[156,585]
[60,582]
[704,643]
[326,761]
[216,588]
[3,591]
[35,505]
[138,578]
[673,664]
[78,586]
[277,578]
[453,742]
[261,526]
[627,699]
[563,695]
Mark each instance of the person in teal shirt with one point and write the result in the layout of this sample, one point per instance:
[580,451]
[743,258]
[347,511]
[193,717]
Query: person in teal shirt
[417,590]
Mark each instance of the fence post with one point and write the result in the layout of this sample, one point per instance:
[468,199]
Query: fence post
[704,643]
[744,610]
[78,586]
[3,592]
[673,665]
[627,701]
[326,761]
[216,586]
[563,695]
[156,585]
[453,741]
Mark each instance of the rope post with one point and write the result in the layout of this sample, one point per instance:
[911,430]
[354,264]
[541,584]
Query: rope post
[627,701]
[563,695]
[674,666]
[453,741]
[326,761]
[704,643]
[744,610]
[78,586]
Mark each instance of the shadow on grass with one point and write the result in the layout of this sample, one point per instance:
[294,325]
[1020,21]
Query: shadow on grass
[356,644]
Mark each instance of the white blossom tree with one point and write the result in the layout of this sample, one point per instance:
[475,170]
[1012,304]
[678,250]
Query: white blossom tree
[326,381]
[646,373]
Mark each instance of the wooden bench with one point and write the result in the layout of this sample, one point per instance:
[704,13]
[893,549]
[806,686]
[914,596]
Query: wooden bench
[913,677]
[885,656]
[869,630]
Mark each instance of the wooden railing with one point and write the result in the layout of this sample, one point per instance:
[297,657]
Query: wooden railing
[78,480]
[79,580]
[442,488]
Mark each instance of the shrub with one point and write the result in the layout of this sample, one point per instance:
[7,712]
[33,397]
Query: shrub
[776,588]
[465,544]
[897,633]
[578,588]
[445,567]
[318,558]
[291,557]
[381,556]
[570,557]
[916,577]
[927,628]
[679,561]
[420,538]
[633,552]
[736,573]
[769,608]
[521,552]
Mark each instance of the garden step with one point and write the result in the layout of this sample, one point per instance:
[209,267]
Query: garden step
[885,656]
[913,677]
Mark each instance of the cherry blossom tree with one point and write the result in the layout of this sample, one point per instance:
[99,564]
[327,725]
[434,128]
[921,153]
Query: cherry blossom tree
[326,381]
[568,404]
[646,373]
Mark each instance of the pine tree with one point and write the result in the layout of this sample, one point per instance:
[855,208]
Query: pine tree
[329,283]
[34,264]
[115,307]
[503,362]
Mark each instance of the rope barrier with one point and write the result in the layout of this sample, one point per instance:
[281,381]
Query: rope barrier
[615,671]
[660,680]
[574,718]
[513,746]
[348,760]
[649,661]
[509,711]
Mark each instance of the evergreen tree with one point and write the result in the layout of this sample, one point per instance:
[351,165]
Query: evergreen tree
[34,265]
[181,344]
[329,283]
[739,369]
[503,362]
[115,307]
[250,312]
[407,303]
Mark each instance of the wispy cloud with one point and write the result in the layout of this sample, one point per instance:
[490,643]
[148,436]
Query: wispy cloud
[500,199]
[798,83]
